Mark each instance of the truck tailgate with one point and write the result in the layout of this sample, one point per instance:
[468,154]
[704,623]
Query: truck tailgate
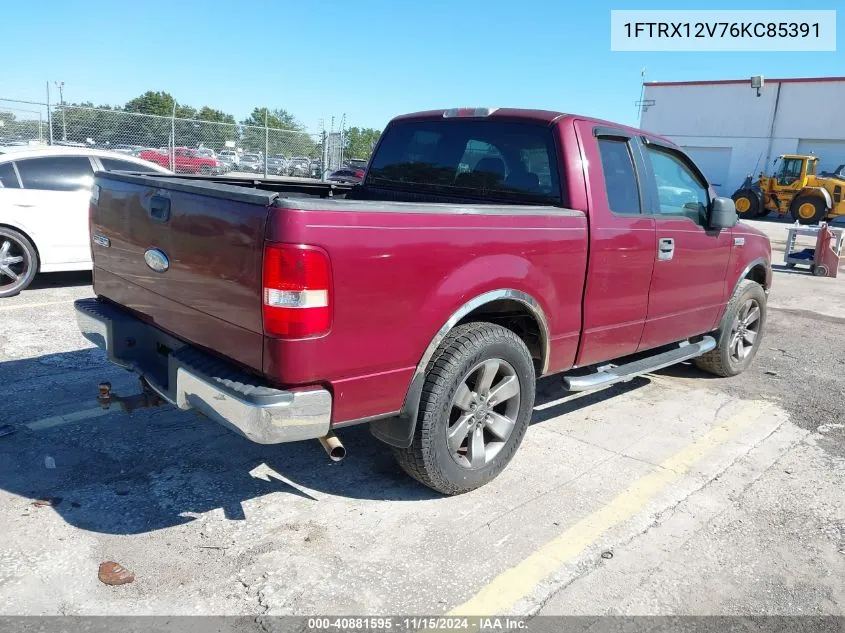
[212,237]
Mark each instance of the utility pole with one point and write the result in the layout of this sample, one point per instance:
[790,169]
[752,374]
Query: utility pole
[61,86]
[173,139]
[266,140]
[642,95]
[342,137]
[49,114]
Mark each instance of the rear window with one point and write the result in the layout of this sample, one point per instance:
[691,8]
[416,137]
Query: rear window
[482,159]
[114,164]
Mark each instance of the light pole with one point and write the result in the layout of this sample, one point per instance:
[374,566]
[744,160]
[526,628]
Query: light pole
[61,86]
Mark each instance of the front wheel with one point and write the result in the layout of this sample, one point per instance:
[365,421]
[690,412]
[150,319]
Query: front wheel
[475,408]
[740,332]
[18,262]
[747,203]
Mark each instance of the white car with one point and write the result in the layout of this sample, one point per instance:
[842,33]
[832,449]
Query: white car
[44,195]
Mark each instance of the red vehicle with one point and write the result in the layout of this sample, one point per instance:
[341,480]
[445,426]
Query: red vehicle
[483,249]
[187,160]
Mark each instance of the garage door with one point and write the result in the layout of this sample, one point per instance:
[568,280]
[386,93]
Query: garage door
[714,162]
[831,153]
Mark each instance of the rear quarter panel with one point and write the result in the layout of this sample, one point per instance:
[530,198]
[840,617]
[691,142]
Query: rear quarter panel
[399,275]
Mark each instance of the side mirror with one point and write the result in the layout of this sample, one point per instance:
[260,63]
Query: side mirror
[722,213]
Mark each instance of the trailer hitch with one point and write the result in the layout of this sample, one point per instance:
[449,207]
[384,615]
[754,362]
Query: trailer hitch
[147,398]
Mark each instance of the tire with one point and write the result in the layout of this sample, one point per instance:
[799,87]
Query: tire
[448,403]
[747,203]
[726,359]
[762,213]
[808,209]
[205,170]
[18,259]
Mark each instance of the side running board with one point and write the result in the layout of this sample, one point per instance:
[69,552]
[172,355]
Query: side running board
[622,373]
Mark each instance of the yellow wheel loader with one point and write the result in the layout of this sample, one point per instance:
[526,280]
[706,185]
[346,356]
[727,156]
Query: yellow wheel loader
[795,189]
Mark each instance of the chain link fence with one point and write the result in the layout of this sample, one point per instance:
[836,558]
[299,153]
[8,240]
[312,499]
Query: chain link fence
[182,145]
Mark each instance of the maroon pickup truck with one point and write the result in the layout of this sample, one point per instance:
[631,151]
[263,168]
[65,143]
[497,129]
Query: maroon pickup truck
[483,249]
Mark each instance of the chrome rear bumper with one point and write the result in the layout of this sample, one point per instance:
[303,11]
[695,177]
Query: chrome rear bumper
[190,379]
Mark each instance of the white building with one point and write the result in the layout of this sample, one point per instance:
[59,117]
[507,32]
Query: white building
[731,132]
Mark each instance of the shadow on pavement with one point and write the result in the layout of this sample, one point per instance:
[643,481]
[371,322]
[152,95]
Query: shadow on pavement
[121,474]
[57,280]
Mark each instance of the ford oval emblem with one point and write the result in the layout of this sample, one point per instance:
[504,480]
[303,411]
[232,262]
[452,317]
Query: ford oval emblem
[156,260]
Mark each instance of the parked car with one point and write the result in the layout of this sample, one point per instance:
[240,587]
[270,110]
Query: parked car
[277,165]
[357,163]
[220,166]
[187,160]
[252,163]
[353,176]
[299,166]
[44,197]
[316,168]
[230,157]
[427,306]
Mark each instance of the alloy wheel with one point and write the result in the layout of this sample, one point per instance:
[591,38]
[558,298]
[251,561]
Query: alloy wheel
[13,263]
[745,331]
[483,413]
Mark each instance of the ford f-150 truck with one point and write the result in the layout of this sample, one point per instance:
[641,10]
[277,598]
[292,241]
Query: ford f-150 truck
[483,249]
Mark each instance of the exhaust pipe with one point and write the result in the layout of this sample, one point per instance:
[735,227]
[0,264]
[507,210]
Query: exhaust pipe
[333,447]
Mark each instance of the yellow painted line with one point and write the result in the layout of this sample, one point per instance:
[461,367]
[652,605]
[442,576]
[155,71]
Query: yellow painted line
[67,418]
[509,587]
[33,305]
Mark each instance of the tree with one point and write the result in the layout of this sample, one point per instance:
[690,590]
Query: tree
[278,119]
[285,134]
[158,103]
[216,116]
[359,142]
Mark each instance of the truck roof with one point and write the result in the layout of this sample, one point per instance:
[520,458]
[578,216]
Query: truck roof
[538,116]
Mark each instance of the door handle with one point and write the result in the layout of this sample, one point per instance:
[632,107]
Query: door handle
[665,249]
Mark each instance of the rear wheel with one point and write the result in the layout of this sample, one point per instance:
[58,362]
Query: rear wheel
[808,209]
[747,203]
[475,408]
[740,332]
[18,262]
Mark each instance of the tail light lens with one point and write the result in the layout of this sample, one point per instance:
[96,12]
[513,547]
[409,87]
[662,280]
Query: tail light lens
[297,291]
[359,173]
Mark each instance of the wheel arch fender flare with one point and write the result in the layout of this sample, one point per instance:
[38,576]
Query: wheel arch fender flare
[754,268]
[399,430]
[820,192]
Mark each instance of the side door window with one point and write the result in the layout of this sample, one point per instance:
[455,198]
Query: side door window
[680,190]
[620,178]
[56,173]
[8,177]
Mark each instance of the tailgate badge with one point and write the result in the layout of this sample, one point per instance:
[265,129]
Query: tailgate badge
[101,240]
[156,260]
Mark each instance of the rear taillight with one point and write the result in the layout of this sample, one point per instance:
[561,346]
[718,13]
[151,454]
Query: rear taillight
[359,173]
[297,291]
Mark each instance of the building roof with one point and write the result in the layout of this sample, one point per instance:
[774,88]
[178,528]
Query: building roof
[788,80]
